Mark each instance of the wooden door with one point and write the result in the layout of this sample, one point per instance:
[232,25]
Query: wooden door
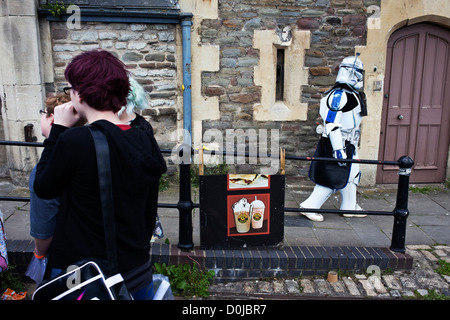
[416,103]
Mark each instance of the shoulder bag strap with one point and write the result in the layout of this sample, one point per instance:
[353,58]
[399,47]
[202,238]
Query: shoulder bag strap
[106,195]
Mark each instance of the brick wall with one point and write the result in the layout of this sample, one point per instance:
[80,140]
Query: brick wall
[148,50]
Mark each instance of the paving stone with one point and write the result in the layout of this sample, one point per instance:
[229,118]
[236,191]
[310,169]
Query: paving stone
[338,286]
[422,292]
[249,286]
[278,287]
[429,256]
[377,284]
[445,248]
[292,286]
[447,278]
[440,253]
[419,259]
[395,294]
[414,253]
[408,293]
[307,286]
[351,286]
[233,286]
[408,283]
[418,247]
[265,286]
[322,286]
[392,282]
[368,288]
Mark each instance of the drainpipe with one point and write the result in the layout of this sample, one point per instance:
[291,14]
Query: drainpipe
[187,110]
[185,204]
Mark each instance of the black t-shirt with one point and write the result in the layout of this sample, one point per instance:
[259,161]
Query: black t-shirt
[68,168]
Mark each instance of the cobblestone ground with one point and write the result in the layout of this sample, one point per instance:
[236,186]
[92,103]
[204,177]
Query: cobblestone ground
[422,282]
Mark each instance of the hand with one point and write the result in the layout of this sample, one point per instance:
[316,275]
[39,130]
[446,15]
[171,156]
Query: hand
[340,154]
[342,164]
[66,115]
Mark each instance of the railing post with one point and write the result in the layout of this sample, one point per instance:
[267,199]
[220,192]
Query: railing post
[185,204]
[185,207]
[401,211]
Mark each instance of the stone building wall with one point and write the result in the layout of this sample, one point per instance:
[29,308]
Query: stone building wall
[228,66]
[148,50]
[335,26]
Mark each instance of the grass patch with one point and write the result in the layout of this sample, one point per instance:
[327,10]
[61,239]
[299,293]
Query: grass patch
[164,182]
[186,280]
[424,190]
[8,279]
[444,268]
[434,295]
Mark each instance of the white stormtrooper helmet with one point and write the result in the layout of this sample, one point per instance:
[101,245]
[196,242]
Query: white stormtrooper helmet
[351,72]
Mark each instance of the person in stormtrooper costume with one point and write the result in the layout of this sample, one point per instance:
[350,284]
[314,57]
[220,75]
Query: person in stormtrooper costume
[341,109]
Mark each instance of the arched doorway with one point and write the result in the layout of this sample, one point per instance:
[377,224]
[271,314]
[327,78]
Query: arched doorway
[416,104]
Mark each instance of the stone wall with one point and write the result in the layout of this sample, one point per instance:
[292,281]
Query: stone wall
[148,50]
[20,84]
[336,27]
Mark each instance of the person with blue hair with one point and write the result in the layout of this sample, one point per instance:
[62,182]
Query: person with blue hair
[137,100]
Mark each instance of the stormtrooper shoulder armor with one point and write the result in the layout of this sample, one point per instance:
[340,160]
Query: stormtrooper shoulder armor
[342,99]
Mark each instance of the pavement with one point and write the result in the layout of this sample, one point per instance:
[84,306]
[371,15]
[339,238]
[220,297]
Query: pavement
[350,246]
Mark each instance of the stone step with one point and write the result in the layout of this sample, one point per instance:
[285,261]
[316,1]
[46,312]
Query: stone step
[256,262]
[253,263]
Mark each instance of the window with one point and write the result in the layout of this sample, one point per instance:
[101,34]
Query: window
[279,89]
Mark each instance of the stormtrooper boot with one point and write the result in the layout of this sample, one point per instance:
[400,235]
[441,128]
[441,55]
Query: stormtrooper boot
[312,215]
[356,215]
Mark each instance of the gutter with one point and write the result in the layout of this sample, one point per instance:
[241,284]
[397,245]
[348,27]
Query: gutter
[117,15]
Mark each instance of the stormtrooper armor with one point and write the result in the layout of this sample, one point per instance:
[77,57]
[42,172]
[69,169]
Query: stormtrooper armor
[341,109]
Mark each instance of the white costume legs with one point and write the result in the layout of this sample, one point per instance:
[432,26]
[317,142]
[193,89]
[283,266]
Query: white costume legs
[317,198]
[321,194]
[348,194]
[348,197]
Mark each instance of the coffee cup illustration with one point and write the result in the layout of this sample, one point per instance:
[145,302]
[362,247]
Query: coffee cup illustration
[242,211]
[257,213]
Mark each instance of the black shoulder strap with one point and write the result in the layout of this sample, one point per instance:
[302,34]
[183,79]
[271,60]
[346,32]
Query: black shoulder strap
[106,195]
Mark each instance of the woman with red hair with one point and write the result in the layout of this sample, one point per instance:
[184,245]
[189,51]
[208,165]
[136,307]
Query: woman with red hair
[99,85]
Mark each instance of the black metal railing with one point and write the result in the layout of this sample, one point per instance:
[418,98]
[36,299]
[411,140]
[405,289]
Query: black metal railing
[185,204]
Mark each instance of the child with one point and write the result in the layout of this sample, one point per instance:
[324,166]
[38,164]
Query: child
[43,211]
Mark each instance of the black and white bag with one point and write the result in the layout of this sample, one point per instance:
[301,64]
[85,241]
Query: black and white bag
[86,281]
[92,279]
